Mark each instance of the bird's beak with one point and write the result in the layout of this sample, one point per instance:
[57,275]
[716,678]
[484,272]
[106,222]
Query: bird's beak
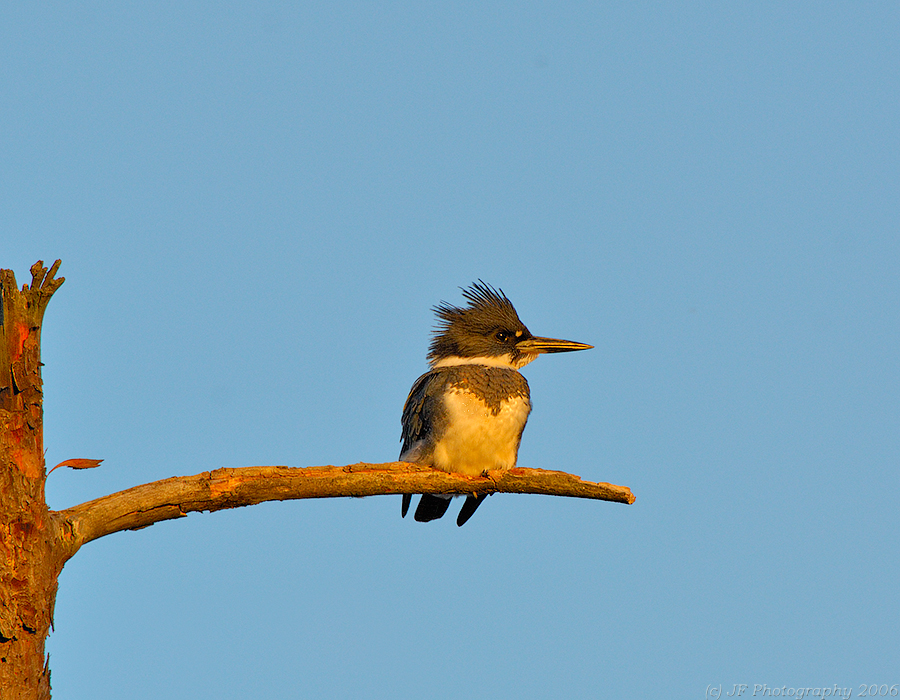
[538,345]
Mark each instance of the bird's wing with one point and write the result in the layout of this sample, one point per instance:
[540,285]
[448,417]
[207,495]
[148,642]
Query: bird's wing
[420,408]
[418,422]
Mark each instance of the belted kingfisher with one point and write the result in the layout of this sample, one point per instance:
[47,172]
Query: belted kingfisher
[467,414]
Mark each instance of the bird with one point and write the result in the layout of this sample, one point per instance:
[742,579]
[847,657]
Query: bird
[467,413]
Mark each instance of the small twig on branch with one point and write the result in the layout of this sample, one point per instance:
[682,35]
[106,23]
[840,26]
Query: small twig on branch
[151,503]
[77,463]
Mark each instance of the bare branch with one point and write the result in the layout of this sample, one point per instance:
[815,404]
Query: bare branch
[145,505]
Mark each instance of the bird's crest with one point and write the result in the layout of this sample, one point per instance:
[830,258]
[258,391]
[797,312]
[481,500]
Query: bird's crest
[488,312]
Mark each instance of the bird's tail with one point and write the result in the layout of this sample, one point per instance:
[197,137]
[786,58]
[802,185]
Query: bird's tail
[431,507]
[469,507]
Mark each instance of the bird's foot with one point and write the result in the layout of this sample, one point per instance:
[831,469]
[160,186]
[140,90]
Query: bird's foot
[492,474]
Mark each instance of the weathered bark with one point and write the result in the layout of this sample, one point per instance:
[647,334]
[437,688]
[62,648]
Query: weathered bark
[35,542]
[29,560]
[145,505]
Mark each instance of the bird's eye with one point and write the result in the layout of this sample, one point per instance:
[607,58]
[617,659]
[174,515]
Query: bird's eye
[502,336]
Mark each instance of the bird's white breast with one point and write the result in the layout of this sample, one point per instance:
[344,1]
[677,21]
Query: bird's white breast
[476,439]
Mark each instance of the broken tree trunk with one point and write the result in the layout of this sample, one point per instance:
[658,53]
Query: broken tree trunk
[29,561]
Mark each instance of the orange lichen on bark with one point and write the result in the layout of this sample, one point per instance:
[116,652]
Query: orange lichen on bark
[19,336]
[28,463]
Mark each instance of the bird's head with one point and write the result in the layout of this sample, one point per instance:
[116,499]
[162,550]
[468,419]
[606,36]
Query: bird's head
[488,332]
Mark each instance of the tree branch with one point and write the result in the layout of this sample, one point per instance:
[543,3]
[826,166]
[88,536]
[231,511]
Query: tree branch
[151,503]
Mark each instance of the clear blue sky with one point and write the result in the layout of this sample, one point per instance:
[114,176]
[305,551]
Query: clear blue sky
[256,205]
